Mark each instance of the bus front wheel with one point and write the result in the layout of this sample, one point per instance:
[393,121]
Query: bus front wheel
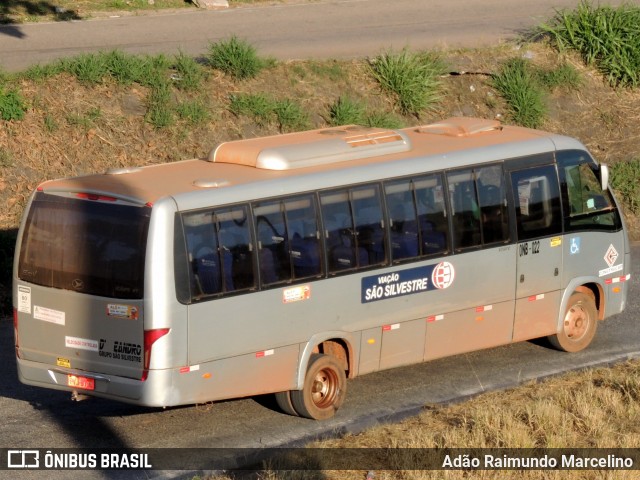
[324,390]
[579,324]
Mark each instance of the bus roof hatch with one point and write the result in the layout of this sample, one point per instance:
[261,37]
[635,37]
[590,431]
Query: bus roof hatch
[461,127]
[313,148]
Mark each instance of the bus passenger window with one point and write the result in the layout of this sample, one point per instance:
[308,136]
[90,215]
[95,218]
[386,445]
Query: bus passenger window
[203,254]
[465,209]
[273,242]
[369,225]
[433,227]
[405,242]
[537,202]
[303,235]
[492,200]
[342,250]
[236,248]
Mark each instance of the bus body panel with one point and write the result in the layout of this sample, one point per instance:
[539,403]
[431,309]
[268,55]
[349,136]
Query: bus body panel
[261,340]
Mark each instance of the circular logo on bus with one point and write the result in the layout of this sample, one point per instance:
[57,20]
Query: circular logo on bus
[443,275]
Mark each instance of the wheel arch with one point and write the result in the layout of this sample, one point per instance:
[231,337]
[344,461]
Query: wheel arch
[595,288]
[337,344]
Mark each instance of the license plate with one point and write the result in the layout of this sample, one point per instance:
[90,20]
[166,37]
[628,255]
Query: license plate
[84,383]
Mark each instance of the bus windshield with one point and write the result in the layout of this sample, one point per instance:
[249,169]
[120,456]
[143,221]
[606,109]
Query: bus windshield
[91,247]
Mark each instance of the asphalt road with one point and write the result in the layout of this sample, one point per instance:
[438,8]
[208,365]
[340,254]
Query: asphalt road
[322,29]
[37,418]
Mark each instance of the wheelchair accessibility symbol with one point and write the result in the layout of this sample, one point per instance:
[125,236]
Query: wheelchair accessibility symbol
[575,246]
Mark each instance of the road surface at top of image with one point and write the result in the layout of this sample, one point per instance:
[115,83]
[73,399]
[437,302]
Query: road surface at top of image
[318,30]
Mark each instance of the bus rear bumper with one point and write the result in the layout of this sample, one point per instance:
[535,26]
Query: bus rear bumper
[156,391]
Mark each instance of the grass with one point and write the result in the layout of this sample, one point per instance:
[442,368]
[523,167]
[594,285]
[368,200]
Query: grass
[346,111]
[235,57]
[412,78]
[605,36]
[593,409]
[624,180]
[517,84]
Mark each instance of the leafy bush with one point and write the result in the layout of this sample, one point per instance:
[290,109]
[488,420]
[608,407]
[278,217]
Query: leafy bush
[12,105]
[235,57]
[412,77]
[605,36]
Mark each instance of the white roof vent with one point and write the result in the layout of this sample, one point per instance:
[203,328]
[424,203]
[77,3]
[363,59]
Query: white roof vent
[312,148]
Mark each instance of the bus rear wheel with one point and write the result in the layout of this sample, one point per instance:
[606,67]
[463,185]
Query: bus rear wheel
[579,324]
[324,389]
[283,399]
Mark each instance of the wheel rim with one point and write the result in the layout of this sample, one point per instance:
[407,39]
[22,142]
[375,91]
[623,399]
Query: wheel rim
[576,322]
[325,388]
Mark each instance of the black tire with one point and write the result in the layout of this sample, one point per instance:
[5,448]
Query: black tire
[324,390]
[579,324]
[283,399]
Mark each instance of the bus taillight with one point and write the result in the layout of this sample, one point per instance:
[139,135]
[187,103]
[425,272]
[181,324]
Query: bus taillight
[150,337]
[15,331]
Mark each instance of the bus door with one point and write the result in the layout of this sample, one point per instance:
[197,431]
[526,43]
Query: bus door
[538,214]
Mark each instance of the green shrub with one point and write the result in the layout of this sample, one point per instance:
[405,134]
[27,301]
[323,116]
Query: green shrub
[517,84]
[189,74]
[160,111]
[12,105]
[624,180]
[195,112]
[236,58]
[89,68]
[605,36]
[257,106]
[564,76]
[413,78]
[346,111]
[290,115]
[382,119]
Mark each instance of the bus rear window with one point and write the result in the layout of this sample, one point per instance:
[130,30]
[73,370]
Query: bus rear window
[86,246]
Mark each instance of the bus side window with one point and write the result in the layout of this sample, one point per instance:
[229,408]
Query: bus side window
[303,234]
[369,224]
[433,226]
[273,242]
[203,254]
[236,248]
[340,239]
[405,241]
[586,204]
[492,200]
[537,202]
[465,209]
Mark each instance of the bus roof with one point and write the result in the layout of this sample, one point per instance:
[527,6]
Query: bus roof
[244,162]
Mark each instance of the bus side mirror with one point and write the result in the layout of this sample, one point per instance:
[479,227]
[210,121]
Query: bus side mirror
[604,177]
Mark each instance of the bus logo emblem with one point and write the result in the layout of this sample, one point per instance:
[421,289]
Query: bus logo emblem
[443,275]
[611,256]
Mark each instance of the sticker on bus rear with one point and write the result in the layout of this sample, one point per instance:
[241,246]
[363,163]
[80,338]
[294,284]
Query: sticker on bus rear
[49,315]
[122,311]
[24,299]
[407,282]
